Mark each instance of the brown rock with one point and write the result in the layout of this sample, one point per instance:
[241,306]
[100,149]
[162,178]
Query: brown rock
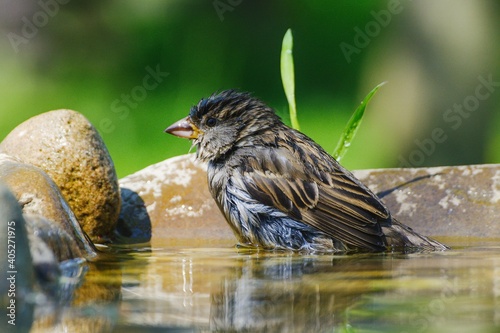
[70,150]
[11,219]
[441,201]
[172,198]
[38,195]
[58,240]
[44,261]
[12,224]
[26,253]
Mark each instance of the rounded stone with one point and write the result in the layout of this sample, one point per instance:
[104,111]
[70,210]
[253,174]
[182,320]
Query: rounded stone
[169,204]
[449,201]
[18,273]
[58,240]
[39,195]
[69,149]
[45,263]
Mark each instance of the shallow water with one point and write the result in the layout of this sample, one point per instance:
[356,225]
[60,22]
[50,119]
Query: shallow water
[227,289]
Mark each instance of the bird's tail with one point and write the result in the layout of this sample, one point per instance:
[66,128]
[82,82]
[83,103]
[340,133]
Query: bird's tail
[401,237]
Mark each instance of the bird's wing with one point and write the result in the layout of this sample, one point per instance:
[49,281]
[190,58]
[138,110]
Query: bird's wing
[318,192]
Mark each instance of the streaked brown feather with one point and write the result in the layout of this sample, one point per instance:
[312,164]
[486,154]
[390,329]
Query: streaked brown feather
[326,197]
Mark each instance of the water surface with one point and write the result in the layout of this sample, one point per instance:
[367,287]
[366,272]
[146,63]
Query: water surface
[197,288]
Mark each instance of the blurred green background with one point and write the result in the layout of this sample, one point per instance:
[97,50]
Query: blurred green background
[93,57]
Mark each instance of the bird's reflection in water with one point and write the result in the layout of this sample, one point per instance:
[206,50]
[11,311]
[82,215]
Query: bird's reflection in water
[290,293]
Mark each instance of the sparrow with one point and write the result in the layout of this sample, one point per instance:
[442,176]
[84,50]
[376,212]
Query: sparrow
[280,190]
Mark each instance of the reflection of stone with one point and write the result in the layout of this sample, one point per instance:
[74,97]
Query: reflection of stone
[39,196]
[90,306]
[81,305]
[69,149]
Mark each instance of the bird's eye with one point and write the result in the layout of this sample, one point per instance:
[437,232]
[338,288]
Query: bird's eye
[211,122]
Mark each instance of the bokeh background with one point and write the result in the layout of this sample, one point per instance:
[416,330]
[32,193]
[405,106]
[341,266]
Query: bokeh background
[93,56]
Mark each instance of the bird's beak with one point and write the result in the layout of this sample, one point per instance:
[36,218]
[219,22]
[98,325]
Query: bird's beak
[184,128]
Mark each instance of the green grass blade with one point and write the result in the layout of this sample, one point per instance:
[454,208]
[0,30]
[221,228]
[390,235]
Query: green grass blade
[353,125]
[288,76]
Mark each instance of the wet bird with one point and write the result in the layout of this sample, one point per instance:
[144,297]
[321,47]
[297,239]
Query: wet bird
[279,190]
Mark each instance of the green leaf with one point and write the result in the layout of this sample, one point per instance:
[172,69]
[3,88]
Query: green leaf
[353,125]
[288,76]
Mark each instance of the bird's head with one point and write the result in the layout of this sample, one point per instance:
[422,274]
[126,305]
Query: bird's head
[223,121]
